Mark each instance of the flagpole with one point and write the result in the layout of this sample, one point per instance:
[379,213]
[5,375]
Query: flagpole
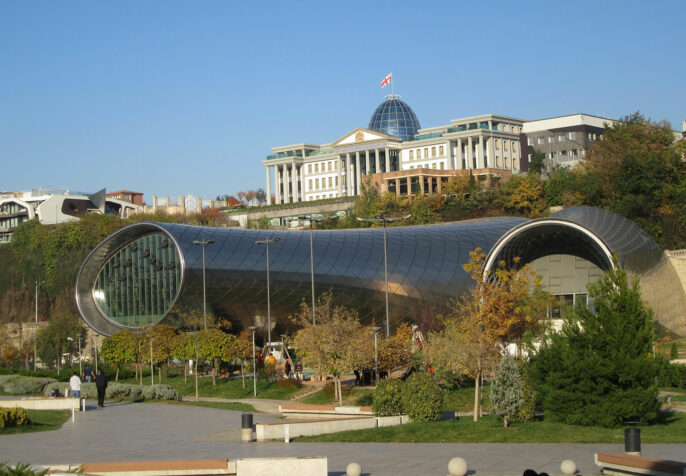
[392,86]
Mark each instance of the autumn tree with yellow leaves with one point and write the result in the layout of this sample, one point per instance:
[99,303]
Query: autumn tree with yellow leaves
[495,313]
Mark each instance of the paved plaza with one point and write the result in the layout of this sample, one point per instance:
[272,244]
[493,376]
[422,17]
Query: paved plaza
[148,431]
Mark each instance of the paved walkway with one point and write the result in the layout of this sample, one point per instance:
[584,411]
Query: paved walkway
[148,431]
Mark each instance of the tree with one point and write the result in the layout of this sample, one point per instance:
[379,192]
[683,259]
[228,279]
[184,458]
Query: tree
[337,344]
[493,314]
[506,391]
[242,349]
[396,351]
[215,345]
[523,194]
[188,345]
[537,164]
[119,349]
[163,337]
[599,369]
[260,196]
[51,341]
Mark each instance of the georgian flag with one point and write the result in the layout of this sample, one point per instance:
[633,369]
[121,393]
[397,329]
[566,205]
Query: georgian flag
[387,80]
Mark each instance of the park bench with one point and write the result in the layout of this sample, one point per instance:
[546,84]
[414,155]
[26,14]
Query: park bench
[623,464]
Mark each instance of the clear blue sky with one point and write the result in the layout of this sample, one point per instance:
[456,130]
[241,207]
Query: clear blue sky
[171,98]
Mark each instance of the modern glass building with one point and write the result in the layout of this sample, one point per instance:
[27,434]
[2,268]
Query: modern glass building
[138,275]
[395,118]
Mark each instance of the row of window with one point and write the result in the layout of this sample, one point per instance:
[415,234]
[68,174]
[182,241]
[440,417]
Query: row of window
[418,152]
[321,197]
[11,208]
[325,167]
[556,138]
[332,183]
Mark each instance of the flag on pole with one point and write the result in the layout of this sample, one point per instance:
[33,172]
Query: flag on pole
[387,80]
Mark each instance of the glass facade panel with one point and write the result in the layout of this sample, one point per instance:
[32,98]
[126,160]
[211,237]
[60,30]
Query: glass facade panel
[137,285]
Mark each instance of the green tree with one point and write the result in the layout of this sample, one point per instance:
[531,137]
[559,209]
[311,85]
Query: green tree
[523,195]
[163,337]
[215,345]
[673,352]
[599,369]
[537,164]
[52,342]
[119,349]
[506,391]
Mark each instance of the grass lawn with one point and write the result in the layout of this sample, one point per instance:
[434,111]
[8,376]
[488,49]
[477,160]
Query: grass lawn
[235,406]
[225,388]
[669,428]
[353,396]
[462,399]
[41,420]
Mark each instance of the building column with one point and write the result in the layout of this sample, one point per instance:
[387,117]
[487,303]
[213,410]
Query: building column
[491,152]
[286,184]
[154,203]
[431,185]
[480,153]
[387,158]
[347,174]
[409,188]
[397,187]
[377,161]
[182,205]
[278,183]
[470,153]
[358,173]
[294,181]
[421,185]
[458,158]
[339,169]
[439,181]
[367,167]
[449,155]
[269,186]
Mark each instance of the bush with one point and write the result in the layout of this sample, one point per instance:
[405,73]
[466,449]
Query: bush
[21,469]
[329,390]
[19,385]
[119,390]
[13,417]
[422,397]
[289,383]
[670,375]
[387,398]
[527,412]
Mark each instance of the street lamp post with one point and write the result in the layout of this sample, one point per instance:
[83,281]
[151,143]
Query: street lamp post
[267,242]
[152,370]
[254,373]
[203,243]
[384,219]
[311,220]
[35,351]
[376,330]
[71,339]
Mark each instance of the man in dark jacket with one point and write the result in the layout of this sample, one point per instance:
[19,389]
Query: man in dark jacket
[101,385]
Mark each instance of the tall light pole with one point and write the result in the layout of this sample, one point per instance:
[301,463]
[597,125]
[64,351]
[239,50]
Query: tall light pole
[384,219]
[376,330]
[71,339]
[203,243]
[35,350]
[267,242]
[152,370]
[311,220]
[254,373]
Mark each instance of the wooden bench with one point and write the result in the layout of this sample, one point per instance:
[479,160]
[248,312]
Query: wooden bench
[172,467]
[623,464]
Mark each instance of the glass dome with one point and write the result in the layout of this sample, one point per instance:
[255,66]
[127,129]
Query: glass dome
[396,118]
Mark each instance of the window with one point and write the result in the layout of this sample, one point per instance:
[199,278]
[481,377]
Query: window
[309,185]
[412,155]
[505,145]
[442,166]
[419,154]
[316,168]
[433,166]
[433,152]
[530,156]
[589,136]
[316,184]
[530,141]
[552,155]
[561,137]
[411,167]
[336,181]
[440,150]
[330,182]
[330,166]
[572,135]
[541,140]
[575,153]
[514,147]
[563,153]
[551,139]
[309,169]
[426,152]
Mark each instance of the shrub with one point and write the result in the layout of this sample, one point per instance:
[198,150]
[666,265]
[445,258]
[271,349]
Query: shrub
[21,469]
[13,417]
[19,385]
[63,388]
[506,391]
[160,392]
[387,398]
[365,400]
[422,397]
[674,352]
[289,383]
[527,412]
[671,375]
[119,390]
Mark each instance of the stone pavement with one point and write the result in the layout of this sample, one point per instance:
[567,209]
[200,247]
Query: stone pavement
[148,431]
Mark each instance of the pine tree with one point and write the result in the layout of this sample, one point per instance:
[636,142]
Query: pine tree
[599,369]
[506,391]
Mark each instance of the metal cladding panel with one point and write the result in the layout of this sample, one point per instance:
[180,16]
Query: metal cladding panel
[424,268]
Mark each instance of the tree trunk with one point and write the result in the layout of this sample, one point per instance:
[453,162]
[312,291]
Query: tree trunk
[140,374]
[505,423]
[335,390]
[340,393]
[185,371]
[136,371]
[197,357]
[116,376]
[481,397]
[243,371]
[159,374]
[476,396]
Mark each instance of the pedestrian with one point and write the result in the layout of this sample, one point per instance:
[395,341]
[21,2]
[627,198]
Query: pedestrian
[299,369]
[287,370]
[75,386]
[88,375]
[101,385]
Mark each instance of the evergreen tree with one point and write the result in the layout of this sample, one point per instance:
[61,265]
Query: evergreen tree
[599,369]
[506,391]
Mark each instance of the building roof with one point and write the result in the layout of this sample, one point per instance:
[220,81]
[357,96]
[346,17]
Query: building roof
[396,118]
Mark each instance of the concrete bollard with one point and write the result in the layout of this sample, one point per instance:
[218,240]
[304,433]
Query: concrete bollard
[568,467]
[457,467]
[246,427]
[353,469]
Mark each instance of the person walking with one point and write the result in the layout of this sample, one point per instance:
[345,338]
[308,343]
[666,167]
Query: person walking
[101,385]
[75,386]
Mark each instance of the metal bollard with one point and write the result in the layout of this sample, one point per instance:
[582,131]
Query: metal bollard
[353,469]
[133,396]
[246,427]
[632,441]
